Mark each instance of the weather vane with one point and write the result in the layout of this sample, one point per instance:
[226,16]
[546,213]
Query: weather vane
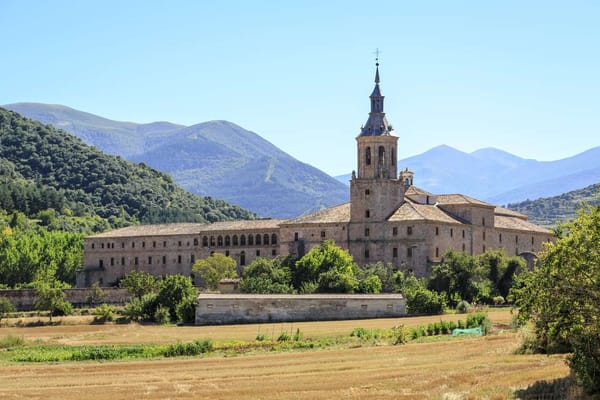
[377,52]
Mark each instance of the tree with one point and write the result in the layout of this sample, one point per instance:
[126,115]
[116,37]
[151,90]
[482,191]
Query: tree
[174,290]
[562,297]
[214,268]
[329,266]
[139,283]
[266,275]
[52,299]
[5,307]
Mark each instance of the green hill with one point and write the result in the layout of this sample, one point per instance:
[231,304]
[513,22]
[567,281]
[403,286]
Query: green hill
[42,167]
[551,210]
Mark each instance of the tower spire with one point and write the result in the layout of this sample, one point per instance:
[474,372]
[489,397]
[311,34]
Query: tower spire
[377,124]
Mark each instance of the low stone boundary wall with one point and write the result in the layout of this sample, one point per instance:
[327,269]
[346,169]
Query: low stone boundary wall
[215,309]
[24,299]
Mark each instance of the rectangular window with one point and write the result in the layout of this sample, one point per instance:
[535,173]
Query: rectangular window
[500,238]
[366,253]
[295,236]
[409,252]
[257,253]
[101,245]
[149,260]
[395,252]
[179,259]
[93,245]
[122,260]
[122,245]
[101,263]
[367,231]
[516,239]
[143,244]
[136,261]
[193,258]
[532,240]
[154,244]
[322,234]
[395,231]
[409,230]
[164,260]
[463,233]
[273,252]
[451,232]
[367,214]
[132,245]
[179,243]
[483,221]
[483,235]
[164,244]
[437,252]
[437,231]
[112,261]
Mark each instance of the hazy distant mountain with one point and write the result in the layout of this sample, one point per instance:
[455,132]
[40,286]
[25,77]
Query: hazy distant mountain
[216,158]
[549,211]
[497,176]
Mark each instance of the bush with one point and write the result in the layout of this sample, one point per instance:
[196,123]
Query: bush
[423,301]
[297,335]
[398,335]
[463,307]
[5,307]
[162,315]
[104,312]
[261,337]
[498,300]
[479,320]
[186,311]
[141,308]
[284,337]
[189,349]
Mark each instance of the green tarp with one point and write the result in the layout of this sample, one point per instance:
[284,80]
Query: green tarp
[473,331]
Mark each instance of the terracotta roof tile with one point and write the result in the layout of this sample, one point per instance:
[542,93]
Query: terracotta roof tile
[460,199]
[509,213]
[335,214]
[518,224]
[410,211]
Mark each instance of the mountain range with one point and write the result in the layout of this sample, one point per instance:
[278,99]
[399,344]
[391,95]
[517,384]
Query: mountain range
[215,158]
[497,176]
[223,160]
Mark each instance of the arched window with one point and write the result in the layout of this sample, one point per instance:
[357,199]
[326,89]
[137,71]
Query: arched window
[205,241]
[242,240]
[234,239]
[381,155]
[227,241]
[250,240]
[195,243]
[219,240]
[212,241]
[273,239]
[257,239]
[368,156]
[266,239]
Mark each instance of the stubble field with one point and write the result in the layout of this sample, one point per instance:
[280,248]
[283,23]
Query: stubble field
[467,368]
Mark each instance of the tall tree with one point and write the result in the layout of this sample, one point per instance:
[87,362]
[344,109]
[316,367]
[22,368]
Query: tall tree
[213,268]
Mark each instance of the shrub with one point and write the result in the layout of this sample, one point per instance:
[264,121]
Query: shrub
[445,327]
[261,337]
[11,341]
[104,312]
[399,335]
[297,335]
[423,301]
[415,333]
[309,287]
[186,310]
[498,300]
[463,307]
[141,308]
[162,315]
[451,326]
[5,307]
[189,349]
[284,337]
[461,324]
[479,319]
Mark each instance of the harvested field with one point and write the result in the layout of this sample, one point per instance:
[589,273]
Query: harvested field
[452,369]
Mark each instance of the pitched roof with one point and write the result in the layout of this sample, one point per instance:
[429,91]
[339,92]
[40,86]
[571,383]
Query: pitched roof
[518,224]
[335,214]
[410,211]
[189,228]
[413,190]
[509,213]
[460,199]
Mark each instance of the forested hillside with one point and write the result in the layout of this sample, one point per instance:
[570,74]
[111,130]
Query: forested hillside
[43,167]
[551,210]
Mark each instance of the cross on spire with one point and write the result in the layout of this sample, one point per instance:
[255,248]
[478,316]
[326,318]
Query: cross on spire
[377,52]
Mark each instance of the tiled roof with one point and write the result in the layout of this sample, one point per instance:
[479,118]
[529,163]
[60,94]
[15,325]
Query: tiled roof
[460,199]
[413,190]
[336,214]
[410,211]
[515,223]
[510,213]
[190,228]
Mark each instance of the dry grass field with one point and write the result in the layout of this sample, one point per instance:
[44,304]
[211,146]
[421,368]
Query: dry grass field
[469,368]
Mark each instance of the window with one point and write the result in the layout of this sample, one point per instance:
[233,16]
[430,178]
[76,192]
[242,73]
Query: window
[179,259]
[500,238]
[395,252]
[273,252]
[463,233]
[227,241]
[367,231]
[165,243]
[101,245]
[367,192]
[136,261]
[93,245]
[273,239]
[451,232]
[132,245]
[226,253]
[409,230]
[381,159]
[257,253]
[112,261]
[437,231]
[395,231]
[179,243]
[122,260]
[212,241]
[143,244]
[483,221]
[122,245]
[367,214]
[463,247]
[164,260]
[322,234]
[368,156]
[149,260]
[295,236]
[409,252]
[154,244]
[532,240]
[483,235]
[242,240]
[101,263]
[516,239]
[257,239]
[250,240]
[243,258]
[234,240]
[266,239]
[193,258]
[366,253]
[205,241]
[196,242]
[437,251]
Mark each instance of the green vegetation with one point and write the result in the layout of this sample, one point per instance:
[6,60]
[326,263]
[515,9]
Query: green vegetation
[562,297]
[550,211]
[44,168]
[215,267]
[52,299]
[5,307]
[266,275]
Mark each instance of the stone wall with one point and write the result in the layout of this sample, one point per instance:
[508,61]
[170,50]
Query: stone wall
[214,309]
[24,299]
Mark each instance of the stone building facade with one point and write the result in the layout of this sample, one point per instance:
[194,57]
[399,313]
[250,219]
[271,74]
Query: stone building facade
[388,219]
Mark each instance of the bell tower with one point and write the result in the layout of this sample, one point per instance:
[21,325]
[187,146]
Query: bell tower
[375,190]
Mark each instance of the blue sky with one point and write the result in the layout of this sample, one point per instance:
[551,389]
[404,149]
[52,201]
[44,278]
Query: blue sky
[522,76]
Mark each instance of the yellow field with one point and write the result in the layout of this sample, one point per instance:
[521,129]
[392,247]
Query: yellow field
[451,369]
